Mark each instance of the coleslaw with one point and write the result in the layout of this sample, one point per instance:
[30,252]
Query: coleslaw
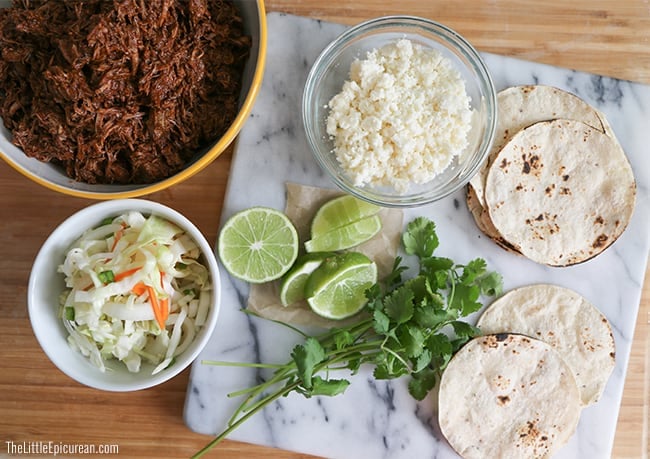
[136,290]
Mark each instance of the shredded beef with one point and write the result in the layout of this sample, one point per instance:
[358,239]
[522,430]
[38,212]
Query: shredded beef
[122,91]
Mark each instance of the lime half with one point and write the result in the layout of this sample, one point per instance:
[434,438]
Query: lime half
[337,288]
[258,244]
[345,237]
[292,288]
[339,212]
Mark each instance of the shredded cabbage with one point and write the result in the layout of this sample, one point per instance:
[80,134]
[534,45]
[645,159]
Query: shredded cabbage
[111,273]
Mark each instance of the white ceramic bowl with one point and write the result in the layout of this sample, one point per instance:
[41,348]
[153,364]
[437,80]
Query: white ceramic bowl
[331,70]
[54,177]
[46,284]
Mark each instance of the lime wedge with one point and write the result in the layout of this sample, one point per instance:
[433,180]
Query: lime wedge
[339,212]
[292,288]
[345,237]
[258,244]
[337,288]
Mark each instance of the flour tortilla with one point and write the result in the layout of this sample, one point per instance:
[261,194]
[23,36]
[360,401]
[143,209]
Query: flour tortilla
[565,320]
[508,396]
[483,222]
[560,192]
[521,106]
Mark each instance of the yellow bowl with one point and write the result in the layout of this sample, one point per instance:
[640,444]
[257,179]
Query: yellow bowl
[54,177]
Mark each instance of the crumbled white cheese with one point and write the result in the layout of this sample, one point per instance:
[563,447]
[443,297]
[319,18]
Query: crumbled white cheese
[401,118]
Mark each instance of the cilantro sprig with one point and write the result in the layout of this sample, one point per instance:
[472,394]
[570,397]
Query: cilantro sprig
[412,328]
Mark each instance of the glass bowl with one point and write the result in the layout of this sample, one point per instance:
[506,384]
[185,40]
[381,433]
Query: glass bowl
[331,69]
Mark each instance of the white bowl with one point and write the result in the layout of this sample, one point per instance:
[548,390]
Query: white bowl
[46,284]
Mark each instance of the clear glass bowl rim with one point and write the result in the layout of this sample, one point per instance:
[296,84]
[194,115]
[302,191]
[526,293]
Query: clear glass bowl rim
[446,34]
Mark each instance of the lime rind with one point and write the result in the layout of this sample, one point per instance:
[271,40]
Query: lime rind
[339,212]
[258,244]
[292,288]
[336,289]
[347,236]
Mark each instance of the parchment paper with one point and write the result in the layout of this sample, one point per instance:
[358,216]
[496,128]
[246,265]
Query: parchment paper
[302,203]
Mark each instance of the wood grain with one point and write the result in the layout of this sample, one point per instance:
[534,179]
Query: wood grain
[39,403]
[592,36]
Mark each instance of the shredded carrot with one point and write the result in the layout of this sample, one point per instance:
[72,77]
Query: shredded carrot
[157,311]
[118,236]
[164,302]
[160,306]
[139,288]
[127,273]
[164,308]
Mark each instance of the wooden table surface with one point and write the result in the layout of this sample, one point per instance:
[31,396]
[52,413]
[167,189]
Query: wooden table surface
[38,403]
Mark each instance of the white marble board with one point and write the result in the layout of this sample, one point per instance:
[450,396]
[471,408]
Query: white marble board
[379,419]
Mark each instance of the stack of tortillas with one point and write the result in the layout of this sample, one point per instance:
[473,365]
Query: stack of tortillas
[556,186]
[518,390]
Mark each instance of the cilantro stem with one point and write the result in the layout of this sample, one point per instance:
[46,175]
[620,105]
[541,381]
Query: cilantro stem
[232,426]
[284,324]
[255,391]
[252,391]
[452,288]
[357,330]
[357,348]
[396,355]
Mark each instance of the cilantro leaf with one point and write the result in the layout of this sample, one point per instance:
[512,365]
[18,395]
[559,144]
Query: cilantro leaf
[430,317]
[328,387]
[417,285]
[438,280]
[422,361]
[421,383]
[412,339]
[465,330]
[343,338]
[420,238]
[472,270]
[394,278]
[381,322]
[374,296]
[307,356]
[354,362]
[491,284]
[465,299]
[390,367]
[440,346]
[433,264]
[381,371]
[399,305]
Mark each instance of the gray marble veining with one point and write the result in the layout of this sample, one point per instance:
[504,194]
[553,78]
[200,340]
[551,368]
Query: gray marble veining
[379,419]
